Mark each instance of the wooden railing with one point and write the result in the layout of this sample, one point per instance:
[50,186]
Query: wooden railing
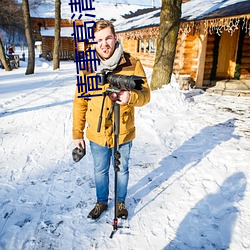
[63,55]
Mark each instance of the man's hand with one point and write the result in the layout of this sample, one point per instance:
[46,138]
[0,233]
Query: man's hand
[123,97]
[79,143]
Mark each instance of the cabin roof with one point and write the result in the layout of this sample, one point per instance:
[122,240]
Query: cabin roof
[208,9]
[194,10]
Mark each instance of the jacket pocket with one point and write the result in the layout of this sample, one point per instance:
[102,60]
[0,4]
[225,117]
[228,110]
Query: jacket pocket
[127,121]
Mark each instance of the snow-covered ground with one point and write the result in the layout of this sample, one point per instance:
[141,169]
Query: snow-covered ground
[189,170]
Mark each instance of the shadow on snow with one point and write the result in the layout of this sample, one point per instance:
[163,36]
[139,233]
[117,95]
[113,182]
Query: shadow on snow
[210,223]
[23,110]
[190,153]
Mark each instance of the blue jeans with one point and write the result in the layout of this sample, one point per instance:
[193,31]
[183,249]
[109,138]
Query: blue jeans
[102,157]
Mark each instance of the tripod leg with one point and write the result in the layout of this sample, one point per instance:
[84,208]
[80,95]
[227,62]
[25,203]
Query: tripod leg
[116,161]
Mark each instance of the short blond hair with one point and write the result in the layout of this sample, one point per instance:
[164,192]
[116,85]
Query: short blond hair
[103,24]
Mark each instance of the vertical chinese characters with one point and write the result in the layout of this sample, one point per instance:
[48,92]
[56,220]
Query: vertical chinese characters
[85,59]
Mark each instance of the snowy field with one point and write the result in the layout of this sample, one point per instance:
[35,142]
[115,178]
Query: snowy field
[189,170]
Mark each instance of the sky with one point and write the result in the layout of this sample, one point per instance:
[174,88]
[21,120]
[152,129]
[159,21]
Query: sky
[189,169]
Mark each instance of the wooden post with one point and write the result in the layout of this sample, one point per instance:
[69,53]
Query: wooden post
[201,60]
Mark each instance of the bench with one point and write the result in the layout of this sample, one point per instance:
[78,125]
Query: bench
[13,61]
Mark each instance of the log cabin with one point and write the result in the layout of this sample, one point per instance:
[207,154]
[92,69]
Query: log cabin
[213,41]
[43,31]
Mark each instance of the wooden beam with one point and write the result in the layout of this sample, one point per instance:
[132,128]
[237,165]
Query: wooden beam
[201,60]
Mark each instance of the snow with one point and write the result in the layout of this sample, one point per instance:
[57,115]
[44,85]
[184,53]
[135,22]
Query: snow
[145,20]
[192,10]
[189,169]
[105,10]
[196,9]
[65,31]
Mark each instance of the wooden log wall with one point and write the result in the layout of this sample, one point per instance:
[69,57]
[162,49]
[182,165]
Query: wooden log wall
[245,60]
[190,56]
[131,46]
[178,61]
[146,59]
[49,22]
[47,45]
[67,45]
[186,55]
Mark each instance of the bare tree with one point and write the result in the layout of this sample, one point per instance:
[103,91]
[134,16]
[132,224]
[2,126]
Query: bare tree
[28,33]
[11,25]
[168,34]
[11,16]
[3,57]
[56,59]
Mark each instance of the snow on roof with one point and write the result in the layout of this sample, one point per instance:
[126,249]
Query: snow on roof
[198,9]
[103,10]
[146,20]
[192,10]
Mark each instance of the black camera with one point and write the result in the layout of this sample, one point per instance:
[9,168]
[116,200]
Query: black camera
[121,81]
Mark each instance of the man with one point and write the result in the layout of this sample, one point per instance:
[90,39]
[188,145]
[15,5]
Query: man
[115,60]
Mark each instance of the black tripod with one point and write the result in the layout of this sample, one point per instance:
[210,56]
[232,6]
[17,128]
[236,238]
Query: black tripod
[112,93]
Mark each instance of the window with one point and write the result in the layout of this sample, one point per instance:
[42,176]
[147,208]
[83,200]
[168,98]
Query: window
[146,45]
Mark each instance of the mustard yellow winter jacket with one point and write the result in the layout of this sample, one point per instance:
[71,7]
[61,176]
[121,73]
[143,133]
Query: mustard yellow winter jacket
[88,111]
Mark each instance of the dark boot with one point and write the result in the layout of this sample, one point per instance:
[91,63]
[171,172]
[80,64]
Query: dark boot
[97,210]
[122,211]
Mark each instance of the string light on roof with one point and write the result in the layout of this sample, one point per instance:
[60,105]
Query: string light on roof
[218,25]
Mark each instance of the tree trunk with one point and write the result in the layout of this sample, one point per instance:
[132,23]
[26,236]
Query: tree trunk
[29,39]
[168,34]
[56,59]
[3,57]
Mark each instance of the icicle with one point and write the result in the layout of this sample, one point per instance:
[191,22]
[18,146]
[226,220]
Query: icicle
[216,25]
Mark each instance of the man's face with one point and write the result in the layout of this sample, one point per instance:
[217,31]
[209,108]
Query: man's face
[105,43]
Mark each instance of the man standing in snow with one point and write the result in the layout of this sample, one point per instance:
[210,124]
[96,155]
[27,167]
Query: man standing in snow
[112,58]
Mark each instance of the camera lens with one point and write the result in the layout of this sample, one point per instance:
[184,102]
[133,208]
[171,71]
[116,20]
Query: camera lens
[113,96]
